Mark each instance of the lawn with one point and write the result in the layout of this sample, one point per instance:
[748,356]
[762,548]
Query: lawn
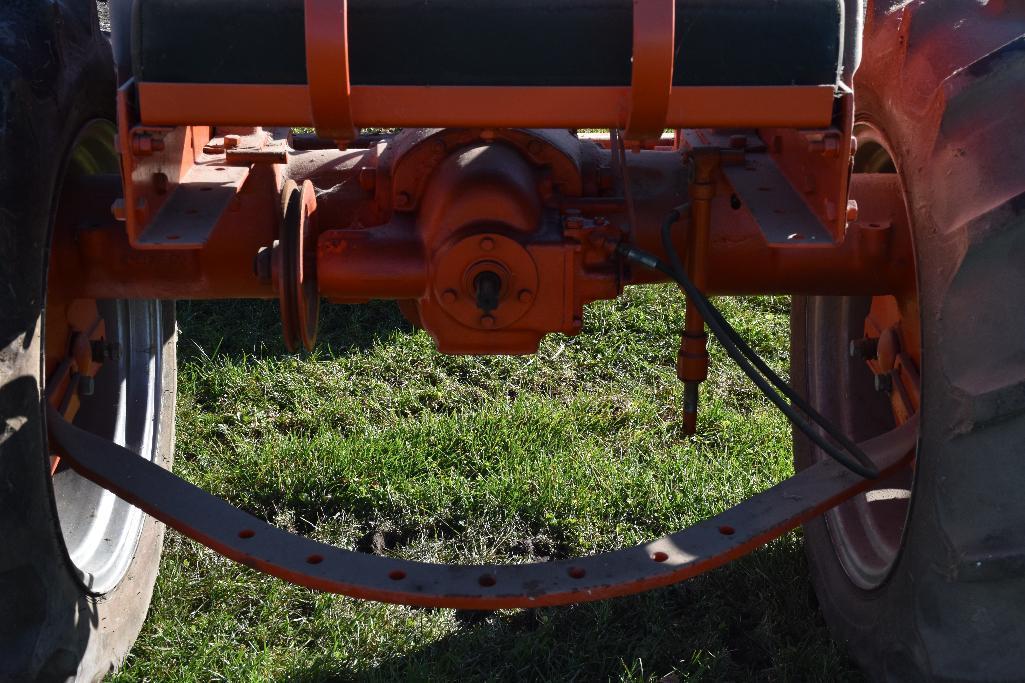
[377,442]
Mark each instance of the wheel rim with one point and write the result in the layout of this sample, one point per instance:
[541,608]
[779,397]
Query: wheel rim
[867,532]
[100,531]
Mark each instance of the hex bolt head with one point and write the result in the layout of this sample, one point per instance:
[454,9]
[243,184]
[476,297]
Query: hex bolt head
[525,296]
[449,296]
[884,382]
[487,244]
[487,321]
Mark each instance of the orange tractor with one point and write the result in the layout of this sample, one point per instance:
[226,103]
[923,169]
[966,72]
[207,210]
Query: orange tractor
[869,161]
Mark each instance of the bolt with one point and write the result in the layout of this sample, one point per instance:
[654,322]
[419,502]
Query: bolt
[852,211]
[487,244]
[449,296]
[160,181]
[231,141]
[86,385]
[403,200]
[104,351]
[263,266]
[525,296]
[864,348]
[368,178]
[487,321]
[144,144]
[117,209]
[884,383]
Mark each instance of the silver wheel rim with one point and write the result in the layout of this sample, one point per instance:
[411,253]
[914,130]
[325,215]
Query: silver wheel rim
[101,532]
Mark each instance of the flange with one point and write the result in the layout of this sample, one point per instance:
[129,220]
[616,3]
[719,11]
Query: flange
[295,266]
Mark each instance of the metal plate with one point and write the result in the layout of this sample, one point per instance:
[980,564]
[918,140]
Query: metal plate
[251,541]
[785,218]
[190,214]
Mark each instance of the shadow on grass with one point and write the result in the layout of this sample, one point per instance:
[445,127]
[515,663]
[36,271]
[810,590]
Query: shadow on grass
[755,619]
[252,329]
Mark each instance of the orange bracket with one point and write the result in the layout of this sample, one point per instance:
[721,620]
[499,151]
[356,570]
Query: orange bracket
[652,78]
[327,68]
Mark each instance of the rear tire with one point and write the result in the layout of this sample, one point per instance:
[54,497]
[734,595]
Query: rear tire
[952,604]
[58,79]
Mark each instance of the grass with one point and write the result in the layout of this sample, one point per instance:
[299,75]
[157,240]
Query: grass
[377,442]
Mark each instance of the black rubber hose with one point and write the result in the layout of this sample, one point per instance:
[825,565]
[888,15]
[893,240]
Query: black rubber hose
[750,362]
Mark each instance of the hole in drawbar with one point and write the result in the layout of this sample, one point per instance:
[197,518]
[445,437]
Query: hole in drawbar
[660,556]
[314,559]
[396,575]
[487,580]
[577,572]
[727,530]
[246,533]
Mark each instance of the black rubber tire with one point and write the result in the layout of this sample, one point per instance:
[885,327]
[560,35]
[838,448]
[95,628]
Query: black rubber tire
[953,605]
[54,77]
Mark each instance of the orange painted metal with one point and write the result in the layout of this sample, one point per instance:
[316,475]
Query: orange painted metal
[327,68]
[153,162]
[654,27]
[692,360]
[174,104]
[101,262]
[661,562]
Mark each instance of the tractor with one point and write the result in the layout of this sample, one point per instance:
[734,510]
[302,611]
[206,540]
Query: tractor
[865,158]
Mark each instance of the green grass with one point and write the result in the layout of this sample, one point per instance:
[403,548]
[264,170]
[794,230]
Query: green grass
[377,442]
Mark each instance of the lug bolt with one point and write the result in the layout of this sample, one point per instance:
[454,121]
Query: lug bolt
[525,296]
[487,321]
[86,385]
[864,348]
[487,244]
[884,382]
[449,296]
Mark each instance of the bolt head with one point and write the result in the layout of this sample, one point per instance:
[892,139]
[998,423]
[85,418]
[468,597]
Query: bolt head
[403,200]
[487,244]
[487,321]
[852,211]
[884,382]
[449,296]
[525,296]
[368,178]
